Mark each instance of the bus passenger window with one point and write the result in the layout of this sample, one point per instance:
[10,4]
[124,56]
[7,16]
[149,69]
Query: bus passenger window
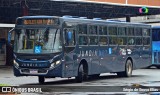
[122,31]
[102,30]
[83,40]
[112,30]
[146,32]
[113,41]
[130,31]
[146,41]
[93,29]
[138,41]
[103,41]
[122,40]
[131,41]
[93,40]
[138,32]
[82,29]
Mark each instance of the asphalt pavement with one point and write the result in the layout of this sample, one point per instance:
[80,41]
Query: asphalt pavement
[106,84]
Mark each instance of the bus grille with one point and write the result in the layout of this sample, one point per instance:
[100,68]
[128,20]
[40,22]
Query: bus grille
[34,65]
[36,71]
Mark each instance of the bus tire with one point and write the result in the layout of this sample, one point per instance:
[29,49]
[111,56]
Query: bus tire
[95,76]
[80,76]
[41,79]
[128,70]
[158,67]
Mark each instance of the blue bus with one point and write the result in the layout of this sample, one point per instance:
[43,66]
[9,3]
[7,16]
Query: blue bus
[52,46]
[156,46]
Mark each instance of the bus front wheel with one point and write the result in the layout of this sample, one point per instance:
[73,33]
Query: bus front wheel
[81,74]
[41,79]
[128,70]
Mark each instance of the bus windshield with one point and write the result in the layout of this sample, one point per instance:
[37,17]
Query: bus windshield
[156,34]
[37,40]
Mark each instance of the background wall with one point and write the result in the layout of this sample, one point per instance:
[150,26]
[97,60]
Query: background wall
[135,2]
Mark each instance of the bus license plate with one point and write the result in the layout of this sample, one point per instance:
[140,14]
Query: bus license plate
[33,71]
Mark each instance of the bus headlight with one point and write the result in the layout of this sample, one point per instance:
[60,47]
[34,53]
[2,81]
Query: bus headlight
[55,64]
[15,63]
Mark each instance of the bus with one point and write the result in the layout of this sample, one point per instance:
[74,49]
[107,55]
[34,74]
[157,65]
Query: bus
[156,46]
[68,46]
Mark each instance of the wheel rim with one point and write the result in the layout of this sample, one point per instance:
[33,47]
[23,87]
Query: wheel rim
[81,71]
[129,68]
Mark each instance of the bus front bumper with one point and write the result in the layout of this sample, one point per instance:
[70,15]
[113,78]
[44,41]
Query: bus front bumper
[47,72]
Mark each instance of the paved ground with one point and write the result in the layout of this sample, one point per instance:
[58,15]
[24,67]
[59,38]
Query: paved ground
[105,84]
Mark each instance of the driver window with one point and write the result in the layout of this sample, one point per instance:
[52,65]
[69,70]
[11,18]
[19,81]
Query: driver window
[69,35]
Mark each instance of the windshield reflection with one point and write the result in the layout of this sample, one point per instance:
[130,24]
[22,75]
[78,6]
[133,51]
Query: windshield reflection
[43,40]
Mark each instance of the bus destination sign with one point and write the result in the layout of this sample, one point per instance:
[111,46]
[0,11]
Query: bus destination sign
[39,21]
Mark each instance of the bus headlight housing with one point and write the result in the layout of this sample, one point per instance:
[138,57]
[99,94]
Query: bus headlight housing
[54,64]
[15,63]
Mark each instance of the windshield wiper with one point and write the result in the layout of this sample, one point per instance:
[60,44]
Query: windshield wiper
[55,38]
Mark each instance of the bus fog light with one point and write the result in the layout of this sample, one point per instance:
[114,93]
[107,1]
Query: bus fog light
[52,65]
[15,63]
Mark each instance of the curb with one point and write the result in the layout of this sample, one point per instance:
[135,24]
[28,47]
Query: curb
[5,66]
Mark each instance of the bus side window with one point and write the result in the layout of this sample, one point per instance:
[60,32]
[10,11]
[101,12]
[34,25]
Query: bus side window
[146,41]
[103,40]
[69,37]
[130,31]
[93,40]
[113,40]
[82,29]
[122,31]
[112,30]
[146,32]
[138,41]
[102,30]
[83,40]
[131,41]
[122,40]
[138,31]
[93,29]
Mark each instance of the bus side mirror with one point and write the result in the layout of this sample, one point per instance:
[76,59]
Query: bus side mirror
[10,36]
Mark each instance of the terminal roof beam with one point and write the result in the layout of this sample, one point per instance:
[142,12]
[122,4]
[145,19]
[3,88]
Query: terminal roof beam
[11,9]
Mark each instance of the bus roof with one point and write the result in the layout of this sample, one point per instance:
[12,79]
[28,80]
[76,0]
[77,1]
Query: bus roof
[29,17]
[101,20]
[76,18]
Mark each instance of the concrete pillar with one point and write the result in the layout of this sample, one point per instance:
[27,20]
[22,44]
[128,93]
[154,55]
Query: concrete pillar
[128,18]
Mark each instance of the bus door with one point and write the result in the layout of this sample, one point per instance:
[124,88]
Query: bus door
[69,49]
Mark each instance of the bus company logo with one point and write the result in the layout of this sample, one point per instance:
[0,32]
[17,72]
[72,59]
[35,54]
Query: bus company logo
[143,10]
[33,65]
[6,89]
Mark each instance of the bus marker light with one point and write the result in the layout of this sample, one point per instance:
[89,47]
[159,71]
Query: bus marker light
[110,50]
[66,66]
[16,63]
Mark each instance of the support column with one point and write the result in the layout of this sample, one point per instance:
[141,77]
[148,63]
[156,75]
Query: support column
[128,18]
